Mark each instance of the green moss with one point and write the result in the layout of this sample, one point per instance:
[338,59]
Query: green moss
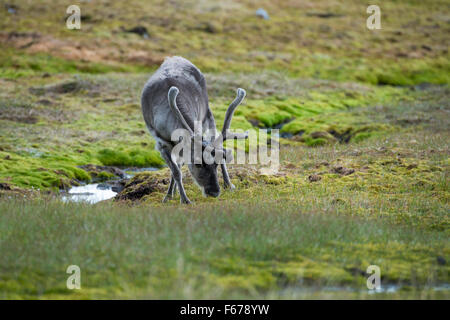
[416,72]
[311,142]
[272,119]
[360,136]
[103,175]
[137,157]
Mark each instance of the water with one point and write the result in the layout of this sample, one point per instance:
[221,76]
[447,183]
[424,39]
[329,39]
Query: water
[347,292]
[90,193]
[96,192]
[391,288]
[135,170]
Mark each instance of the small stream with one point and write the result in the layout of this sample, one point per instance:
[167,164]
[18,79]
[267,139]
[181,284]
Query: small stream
[96,192]
[90,193]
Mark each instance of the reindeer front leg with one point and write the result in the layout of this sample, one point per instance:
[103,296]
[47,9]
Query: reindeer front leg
[176,175]
[170,191]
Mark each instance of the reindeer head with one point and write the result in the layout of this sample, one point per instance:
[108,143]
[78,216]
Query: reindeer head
[206,153]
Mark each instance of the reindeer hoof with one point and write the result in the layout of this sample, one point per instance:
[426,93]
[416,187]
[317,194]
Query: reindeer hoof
[185,201]
[231,186]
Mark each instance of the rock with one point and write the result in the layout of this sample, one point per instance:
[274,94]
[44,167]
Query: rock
[314,178]
[11,8]
[261,13]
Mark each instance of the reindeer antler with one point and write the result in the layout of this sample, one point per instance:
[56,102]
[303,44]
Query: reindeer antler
[228,116]
[172,95]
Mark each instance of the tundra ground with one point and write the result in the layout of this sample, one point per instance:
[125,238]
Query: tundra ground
[364,153]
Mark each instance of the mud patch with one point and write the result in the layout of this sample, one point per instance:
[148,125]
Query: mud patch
[142,185]
[99,52]
[145,183]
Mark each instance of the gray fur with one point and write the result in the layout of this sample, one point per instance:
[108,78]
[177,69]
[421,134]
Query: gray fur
[180,81]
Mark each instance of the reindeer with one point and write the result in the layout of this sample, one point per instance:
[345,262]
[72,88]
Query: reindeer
[175,97]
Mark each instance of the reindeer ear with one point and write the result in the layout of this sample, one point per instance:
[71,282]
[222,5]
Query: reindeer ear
[209,155]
